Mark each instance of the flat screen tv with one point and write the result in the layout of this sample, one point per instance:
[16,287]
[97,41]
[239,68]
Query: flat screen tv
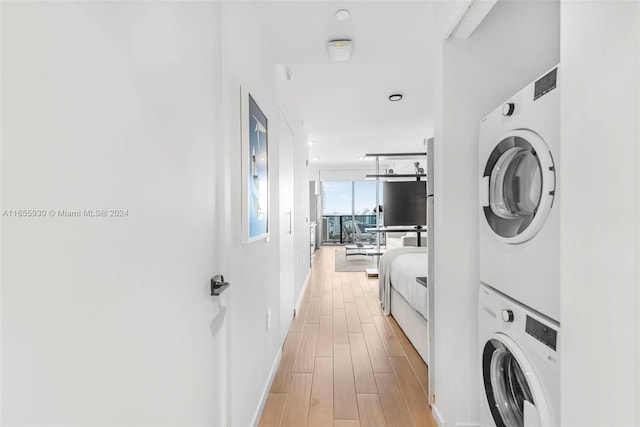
[404,203]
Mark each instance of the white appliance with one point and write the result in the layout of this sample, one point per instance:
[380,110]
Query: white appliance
[520,364]
[519,216]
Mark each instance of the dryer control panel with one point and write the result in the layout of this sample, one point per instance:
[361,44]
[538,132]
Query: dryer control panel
[545,84]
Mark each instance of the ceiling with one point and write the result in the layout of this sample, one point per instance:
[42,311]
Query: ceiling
[345,104]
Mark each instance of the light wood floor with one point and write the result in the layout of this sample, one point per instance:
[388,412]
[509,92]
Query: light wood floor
[343,362]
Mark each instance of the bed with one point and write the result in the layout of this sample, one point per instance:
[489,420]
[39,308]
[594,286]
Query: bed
[403,297]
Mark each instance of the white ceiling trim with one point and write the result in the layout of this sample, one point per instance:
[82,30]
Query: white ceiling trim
[470,18]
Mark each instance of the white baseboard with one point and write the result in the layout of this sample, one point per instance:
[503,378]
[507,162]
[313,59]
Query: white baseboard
[265,392]
[437,416]
[302,291]
[276,362]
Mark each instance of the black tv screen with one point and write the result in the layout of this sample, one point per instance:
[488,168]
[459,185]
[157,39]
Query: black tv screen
[404,203]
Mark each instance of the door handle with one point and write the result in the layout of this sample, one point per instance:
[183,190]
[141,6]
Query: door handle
[218,284]
[290,213]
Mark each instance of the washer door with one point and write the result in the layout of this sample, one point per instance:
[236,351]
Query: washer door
[518,186]
[513,392]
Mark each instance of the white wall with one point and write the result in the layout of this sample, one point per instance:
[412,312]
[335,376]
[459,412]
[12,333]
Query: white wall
[341,173]
[507,51]
[288,103]
[254,268]
[600,214]
[351,174]
[109,321]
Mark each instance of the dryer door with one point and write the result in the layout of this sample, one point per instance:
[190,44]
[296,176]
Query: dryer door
[513,393]
[518,186]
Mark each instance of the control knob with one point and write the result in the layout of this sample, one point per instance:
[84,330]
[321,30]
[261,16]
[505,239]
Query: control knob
[507,315]
[508,108]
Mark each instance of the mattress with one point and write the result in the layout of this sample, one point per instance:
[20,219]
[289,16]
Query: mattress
[403,272]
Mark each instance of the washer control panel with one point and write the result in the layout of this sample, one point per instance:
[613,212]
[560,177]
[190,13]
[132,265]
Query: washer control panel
[520,323]
[541,332]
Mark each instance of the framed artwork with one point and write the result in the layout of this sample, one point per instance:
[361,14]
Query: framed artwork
[255,170]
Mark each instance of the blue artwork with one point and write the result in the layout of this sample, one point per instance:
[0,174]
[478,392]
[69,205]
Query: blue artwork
[258,172]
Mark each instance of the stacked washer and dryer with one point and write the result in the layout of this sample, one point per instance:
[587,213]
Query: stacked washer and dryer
[519,310]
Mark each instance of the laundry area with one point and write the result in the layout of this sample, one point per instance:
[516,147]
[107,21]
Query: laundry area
[519,311]
[521,159]
[320,213]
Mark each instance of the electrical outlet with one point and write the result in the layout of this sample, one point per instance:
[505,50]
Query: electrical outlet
[268,319]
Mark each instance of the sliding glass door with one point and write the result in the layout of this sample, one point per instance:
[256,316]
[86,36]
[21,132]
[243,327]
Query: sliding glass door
[348,208]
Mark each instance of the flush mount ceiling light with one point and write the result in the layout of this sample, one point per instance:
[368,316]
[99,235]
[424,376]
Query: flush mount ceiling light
[311,142]
[314,158]
[340,50]
[342,15]
[395,97]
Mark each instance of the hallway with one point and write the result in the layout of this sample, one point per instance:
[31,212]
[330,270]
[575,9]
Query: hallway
[343,363]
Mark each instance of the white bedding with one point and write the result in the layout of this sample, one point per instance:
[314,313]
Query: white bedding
[403,273]
[404,270]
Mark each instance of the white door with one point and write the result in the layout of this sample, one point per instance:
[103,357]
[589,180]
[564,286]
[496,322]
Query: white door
[221,263]
[107,316]
[286,224]
[518,186]
[229,119]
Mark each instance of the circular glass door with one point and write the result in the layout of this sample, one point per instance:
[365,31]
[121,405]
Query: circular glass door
[506,385]
[521,186]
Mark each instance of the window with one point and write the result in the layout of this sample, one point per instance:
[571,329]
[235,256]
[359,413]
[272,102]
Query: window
[337,197]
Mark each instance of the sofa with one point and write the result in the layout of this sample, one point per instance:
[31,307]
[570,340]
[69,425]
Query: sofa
[401,239]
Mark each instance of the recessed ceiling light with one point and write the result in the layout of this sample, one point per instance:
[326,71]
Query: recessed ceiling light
[314,158]
[362,157]
[395,97]
[342,15]
[311,142]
